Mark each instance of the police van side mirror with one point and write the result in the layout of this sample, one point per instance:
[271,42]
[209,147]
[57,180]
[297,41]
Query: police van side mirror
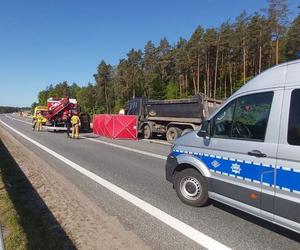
[205,130]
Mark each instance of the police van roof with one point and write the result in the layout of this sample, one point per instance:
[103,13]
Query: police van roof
[278,76]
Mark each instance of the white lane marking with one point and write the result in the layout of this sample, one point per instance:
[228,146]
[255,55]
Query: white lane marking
[190,232]
[12,118]
[157,141]
[162,157]
[48,128]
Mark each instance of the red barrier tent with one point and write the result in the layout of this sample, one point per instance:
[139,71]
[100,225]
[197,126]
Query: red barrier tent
[116,126]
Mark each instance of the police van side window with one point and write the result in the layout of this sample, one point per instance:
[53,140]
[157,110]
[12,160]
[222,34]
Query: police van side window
[244,118]
[251,116]
[294,119]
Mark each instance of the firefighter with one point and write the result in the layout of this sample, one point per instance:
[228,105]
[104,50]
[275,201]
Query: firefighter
[39,121]
[75,121]
[68,123]
[33,123]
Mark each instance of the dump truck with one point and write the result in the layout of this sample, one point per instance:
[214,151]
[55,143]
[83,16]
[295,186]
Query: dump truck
[170,118]
[56,111]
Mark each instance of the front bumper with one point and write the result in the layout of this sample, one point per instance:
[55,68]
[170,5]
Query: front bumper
[171,165]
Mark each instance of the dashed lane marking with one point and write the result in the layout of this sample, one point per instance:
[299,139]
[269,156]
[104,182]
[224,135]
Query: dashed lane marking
[13,118]
[162,157]
[157,142]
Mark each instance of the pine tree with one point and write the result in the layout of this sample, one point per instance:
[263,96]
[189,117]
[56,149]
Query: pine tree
[278,18]
[103,77]
[292,50]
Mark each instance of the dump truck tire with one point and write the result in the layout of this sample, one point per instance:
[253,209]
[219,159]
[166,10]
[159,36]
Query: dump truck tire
[173,133]
[147,132]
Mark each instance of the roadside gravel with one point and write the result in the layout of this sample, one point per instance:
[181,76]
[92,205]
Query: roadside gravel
[87,225]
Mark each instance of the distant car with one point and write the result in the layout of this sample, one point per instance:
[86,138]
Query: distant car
[247,154]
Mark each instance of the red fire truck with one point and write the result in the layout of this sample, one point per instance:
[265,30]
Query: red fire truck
[57,111]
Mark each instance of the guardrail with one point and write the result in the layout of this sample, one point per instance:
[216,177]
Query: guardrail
[1,239]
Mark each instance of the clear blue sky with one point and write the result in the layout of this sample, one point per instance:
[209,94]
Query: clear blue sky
[44,42]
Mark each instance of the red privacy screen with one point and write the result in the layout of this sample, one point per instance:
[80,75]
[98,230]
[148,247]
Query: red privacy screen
[116,126]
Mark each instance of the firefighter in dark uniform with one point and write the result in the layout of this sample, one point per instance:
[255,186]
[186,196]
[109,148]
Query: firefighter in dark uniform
[68,124]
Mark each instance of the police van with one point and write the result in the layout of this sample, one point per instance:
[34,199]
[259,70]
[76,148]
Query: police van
[247,154]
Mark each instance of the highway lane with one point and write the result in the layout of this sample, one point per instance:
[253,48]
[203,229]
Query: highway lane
[143,176]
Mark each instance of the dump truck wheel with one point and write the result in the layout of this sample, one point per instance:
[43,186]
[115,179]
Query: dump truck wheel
[172,134]
[147,132]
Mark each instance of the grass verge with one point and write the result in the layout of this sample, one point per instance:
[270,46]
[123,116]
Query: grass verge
[15,237]
[26,220]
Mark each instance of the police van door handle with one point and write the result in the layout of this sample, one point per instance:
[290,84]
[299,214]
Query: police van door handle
[257,153]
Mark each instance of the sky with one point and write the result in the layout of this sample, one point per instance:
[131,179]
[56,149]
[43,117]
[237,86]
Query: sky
[47,42]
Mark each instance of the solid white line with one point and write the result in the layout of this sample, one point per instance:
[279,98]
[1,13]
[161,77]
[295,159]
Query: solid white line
[162,157]
[174,223]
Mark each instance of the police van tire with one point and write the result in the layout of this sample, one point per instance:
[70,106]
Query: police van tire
[147,132]
[191,187]
[173,133]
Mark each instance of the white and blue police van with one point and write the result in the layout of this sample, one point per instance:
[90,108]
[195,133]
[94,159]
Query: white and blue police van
[247,154]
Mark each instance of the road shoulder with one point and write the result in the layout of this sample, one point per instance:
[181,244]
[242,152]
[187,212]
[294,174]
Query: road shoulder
[87,225]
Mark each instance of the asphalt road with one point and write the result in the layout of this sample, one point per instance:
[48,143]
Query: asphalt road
[141,173]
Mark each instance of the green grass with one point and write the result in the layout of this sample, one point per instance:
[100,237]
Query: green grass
[15,237]
[27,221]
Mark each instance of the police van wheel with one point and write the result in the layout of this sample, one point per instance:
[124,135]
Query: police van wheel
[191,187]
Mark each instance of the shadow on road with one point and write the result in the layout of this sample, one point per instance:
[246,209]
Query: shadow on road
[260,222]
[89,135]
[40,226]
